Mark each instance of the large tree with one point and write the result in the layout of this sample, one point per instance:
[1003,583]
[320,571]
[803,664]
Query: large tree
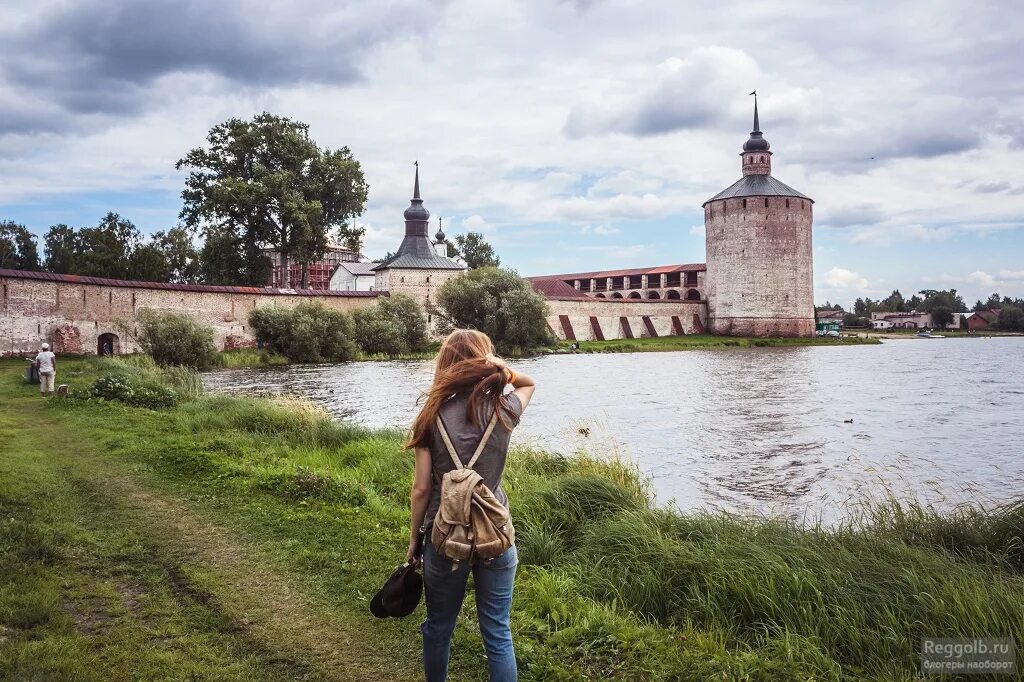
[148,263]
[105,250]
[18,250]
[270,184]
[942,299]
[228,258]
[1011,319]
[351,237]
[474,250]
[60,249]
[499,303]
[182,257]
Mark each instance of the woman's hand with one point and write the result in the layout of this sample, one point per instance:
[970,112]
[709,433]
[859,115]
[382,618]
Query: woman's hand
[496,361]
[412,555]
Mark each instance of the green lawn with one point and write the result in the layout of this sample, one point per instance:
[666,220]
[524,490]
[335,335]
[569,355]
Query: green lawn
[232,538]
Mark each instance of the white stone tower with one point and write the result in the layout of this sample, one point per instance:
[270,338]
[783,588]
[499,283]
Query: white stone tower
[759,258]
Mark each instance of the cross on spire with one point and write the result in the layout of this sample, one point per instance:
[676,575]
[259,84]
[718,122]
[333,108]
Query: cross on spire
[416,186]
[757,124]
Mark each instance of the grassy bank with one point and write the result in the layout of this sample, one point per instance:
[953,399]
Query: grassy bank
[250,357]
[705,341]
[237,538]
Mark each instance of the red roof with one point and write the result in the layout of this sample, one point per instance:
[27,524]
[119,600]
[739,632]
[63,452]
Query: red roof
[206,288]
[659,270]
[554,288]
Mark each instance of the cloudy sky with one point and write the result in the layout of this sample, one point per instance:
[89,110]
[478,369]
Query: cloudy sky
[574,135]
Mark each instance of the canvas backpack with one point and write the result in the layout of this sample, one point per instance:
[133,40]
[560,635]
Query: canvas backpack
[471,522]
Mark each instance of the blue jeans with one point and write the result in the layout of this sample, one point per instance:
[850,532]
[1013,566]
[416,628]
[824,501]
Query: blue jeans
[445,590]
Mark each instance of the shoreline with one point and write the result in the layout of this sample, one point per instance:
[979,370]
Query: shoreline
[268,514]
[251,357]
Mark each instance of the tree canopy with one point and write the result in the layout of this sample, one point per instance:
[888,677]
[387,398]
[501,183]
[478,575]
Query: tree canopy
[474,250]
[18,249]
[499,303]
[267,183]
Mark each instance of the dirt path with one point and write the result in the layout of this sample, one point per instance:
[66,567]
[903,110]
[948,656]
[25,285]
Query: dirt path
[213,566]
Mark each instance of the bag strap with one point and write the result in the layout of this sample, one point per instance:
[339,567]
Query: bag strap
[479,448]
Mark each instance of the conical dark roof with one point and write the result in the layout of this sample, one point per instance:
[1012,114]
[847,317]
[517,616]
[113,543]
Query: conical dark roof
[758,186]
[416,251]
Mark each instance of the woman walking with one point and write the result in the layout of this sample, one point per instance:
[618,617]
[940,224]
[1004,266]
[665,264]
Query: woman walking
[469,389]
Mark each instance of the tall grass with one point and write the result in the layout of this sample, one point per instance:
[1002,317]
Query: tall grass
[618,586]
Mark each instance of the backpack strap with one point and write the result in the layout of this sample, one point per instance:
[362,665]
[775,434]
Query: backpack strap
[479,448]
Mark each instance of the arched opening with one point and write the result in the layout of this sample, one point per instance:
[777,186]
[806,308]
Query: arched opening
[635,294]
[600,296]
[672,294]
[108,344]
[616,295]
[692,295]
[653,294]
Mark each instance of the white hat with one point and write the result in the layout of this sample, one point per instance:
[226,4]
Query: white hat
[46,346]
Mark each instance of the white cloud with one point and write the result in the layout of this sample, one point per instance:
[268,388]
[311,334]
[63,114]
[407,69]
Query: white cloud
[629,206]
[1011,274]
[698,231]
[476,223]
[601,230]
[981,279]
[841,278]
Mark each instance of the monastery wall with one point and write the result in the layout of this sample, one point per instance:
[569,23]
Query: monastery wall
[72,315]
[596,319]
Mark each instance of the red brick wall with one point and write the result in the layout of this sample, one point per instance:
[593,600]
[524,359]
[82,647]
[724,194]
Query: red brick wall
[34,311]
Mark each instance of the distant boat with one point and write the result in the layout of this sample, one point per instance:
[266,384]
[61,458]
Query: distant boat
[925,334]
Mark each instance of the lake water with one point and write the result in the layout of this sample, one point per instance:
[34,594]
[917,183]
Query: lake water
[750,430]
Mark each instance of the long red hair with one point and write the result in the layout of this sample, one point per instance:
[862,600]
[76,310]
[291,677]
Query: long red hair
[461,367]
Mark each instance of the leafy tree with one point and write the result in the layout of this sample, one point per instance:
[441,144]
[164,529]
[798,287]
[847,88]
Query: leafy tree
[499,303]
[105,250]
[395,325]
[176,339]
[894,303]
[309,332]
[271,185]
[149,264]
[474,249]
[181,256]
[351,237]
[941,316]
[914,303]
[1011,319]
[18,250]
[942,299]
[60,243]
[828,306]
[227,258]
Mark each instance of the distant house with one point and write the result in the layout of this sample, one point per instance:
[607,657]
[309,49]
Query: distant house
[832,316]
[353,277]
[983,319]
[911,320]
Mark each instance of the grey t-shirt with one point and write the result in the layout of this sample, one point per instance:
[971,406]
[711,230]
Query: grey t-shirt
[465,436]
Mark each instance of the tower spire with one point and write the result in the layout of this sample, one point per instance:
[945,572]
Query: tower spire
[757,124]
[416,186]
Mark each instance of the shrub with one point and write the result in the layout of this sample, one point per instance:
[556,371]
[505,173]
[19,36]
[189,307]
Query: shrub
[176,339]
[394,326]
[133,391]
[310,332]
[499,303]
